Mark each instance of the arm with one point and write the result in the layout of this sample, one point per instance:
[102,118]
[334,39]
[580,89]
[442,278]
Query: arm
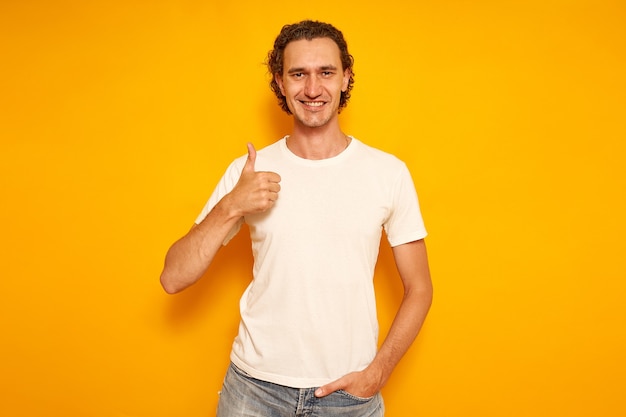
[412,263]
[190,256]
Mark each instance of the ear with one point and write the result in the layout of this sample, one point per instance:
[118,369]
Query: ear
[279,80]
[346,79]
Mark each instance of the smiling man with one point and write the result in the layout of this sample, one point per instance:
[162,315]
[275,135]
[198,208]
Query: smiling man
[316,203]
[313,82]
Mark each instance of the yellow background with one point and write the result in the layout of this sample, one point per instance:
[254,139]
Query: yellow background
[118,117]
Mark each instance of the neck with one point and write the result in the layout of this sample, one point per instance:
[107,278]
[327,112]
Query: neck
[318,142]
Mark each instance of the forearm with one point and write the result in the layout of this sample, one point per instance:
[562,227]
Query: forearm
[412,263]
[189,257]
[403,331]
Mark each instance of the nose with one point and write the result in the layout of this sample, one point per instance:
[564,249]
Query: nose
[312,88]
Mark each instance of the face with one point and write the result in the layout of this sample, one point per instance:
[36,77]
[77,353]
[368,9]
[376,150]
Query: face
[312,80]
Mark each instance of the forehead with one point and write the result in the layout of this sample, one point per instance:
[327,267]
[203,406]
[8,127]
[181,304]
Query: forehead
[311,53]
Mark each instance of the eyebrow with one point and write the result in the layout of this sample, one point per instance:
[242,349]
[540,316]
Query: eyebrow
[302,69]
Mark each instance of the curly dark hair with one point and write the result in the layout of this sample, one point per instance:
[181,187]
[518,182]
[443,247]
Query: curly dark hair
[307,29]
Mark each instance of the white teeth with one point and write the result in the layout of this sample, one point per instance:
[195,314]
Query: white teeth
[314,103]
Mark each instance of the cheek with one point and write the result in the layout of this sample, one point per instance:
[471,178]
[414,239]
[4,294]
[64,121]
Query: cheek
[287,89]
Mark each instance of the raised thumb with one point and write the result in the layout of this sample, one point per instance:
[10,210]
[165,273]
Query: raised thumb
[251,158]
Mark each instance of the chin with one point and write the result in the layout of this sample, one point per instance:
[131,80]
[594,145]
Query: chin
[317,121]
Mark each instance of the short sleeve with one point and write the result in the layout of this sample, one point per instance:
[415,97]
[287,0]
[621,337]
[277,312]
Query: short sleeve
[405,223]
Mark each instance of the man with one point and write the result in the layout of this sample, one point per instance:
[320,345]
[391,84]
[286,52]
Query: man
[316,203]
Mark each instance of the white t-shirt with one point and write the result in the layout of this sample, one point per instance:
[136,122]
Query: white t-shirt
[309,315]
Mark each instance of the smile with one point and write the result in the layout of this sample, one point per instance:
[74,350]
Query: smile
[313,103]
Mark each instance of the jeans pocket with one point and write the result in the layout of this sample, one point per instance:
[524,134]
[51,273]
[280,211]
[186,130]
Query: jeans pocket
[355,397]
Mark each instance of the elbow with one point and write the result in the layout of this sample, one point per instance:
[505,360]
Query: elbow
[174,281]
[422,296]
[170,289]
[427,294]
[169,284]
[429,298]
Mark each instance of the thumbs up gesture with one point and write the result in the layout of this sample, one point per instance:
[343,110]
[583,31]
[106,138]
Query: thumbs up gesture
[255,192]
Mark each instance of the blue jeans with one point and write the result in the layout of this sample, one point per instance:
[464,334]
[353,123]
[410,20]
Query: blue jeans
[244,396]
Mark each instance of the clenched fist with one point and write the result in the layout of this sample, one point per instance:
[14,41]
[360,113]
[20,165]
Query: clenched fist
[255,192]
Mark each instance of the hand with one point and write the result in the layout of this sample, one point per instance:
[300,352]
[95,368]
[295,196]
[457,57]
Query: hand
[255,192]
[363,384]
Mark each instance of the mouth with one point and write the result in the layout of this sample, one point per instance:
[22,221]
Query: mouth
[313,103]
